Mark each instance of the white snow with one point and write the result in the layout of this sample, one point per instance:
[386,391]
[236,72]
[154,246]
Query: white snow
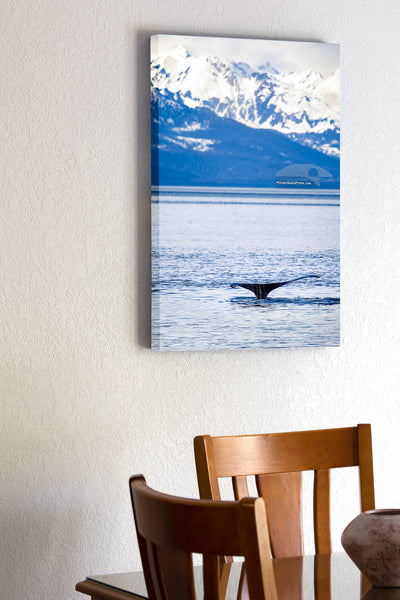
[299,102]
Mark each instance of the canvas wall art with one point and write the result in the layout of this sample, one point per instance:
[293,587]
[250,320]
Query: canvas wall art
[245,151]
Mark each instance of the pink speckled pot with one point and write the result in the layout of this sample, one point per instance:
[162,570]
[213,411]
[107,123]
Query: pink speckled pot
[372,540]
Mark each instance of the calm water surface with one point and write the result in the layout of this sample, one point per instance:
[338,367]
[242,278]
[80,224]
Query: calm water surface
[204,241]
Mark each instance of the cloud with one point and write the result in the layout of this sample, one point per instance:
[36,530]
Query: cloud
[283,55]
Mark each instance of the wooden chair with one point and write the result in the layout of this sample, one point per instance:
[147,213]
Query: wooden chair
[276,460]
[170,528]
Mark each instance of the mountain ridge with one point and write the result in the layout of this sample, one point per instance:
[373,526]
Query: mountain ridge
[294,103]
[216,122]
[196,147]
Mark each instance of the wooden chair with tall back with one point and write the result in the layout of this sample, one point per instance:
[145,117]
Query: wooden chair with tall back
[277,460]
[170,528]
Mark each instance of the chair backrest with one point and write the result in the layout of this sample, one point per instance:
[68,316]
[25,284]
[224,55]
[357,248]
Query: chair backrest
[276,460]
[170,529]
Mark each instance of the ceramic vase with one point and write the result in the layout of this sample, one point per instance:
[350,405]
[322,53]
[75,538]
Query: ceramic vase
[372,540]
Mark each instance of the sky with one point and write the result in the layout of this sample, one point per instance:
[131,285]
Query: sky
[283,55]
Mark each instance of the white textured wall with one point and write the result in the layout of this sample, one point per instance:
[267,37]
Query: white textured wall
[85,403]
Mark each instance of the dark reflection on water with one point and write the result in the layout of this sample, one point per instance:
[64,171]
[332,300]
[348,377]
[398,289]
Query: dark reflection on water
[284,301]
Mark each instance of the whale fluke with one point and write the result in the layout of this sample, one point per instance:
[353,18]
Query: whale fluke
[261,290]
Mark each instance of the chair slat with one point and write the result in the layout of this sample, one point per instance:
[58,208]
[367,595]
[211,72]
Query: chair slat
[322,516]
[282,493]
[213,589]
[240,487]
[367,493]
[153,577]
[322,577]
[175,574]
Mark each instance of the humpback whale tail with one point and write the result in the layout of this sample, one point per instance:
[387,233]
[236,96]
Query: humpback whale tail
[261,290]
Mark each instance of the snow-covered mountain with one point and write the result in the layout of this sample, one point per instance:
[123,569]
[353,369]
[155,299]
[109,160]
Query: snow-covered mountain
[304,106]
[195,147]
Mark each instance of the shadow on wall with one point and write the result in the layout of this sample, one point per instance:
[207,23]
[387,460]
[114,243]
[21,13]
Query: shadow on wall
[141,150]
